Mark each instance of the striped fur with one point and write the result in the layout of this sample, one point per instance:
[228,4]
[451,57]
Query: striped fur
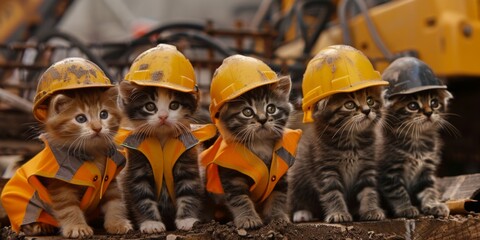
[255,119]
[410,153]
[336,166]
[163,121]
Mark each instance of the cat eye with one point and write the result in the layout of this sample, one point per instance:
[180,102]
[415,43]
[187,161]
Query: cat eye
[103,114]
[150,107]
[370,101]
[350,105]
[413,106]
[81,118]
[271,109]
[434,103]
[174,105]
[247,112]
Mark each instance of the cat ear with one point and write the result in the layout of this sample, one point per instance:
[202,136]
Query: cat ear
[322,104]
[386,102]
[58,103]
[283,86]
[447,96]
[112,94]
[125,91]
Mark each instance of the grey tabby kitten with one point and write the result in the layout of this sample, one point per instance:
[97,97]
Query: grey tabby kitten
[411,153]
[160,113]
[335,172]
[257,120]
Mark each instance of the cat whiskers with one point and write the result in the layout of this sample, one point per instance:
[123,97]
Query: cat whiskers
[33,130]
[179,128]
[413,128]
[354,126]
[109,140]
[145,130]
[447,126]
[343,126]
[403,127]
[78,147]
[245,136]
[277,130]
[387,122]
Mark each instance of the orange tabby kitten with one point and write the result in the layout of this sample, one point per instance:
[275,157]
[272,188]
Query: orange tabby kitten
[79,130]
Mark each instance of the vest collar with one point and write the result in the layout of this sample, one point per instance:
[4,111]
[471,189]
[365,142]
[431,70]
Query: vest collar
[65,152]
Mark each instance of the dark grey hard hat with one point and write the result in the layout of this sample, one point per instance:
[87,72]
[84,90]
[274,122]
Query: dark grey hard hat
[409,75]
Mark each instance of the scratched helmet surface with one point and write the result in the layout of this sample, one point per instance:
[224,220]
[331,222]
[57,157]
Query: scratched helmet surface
[410,75]
[237,74]
[163,66]
[336,69]
[69,73]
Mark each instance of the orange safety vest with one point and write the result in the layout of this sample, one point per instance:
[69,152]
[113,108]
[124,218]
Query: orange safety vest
[162,160]
[26,199]
[241,159]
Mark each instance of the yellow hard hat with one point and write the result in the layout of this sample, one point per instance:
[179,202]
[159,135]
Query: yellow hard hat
[336,69]
[163,66]
[237,75]
[69,73]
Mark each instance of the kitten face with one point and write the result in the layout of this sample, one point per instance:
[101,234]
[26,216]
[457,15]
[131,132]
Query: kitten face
[257,114]
[351,112]
[419,112]
[83,121]
[157,111]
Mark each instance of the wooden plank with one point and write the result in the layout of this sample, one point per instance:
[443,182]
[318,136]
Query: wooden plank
[460,187]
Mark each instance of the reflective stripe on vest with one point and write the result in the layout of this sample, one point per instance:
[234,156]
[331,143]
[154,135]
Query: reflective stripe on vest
[237,157]
[34,208]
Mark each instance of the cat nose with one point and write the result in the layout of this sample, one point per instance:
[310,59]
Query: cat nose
[162,119]
[428,114]
[366,111]
[262,120]
[97,129]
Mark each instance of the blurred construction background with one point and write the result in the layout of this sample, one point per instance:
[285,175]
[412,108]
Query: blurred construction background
[284,33]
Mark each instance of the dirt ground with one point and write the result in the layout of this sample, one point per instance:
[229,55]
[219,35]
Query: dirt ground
[214,230]
[453,227]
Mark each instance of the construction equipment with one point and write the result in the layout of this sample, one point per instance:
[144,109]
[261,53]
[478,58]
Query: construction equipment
[442,33]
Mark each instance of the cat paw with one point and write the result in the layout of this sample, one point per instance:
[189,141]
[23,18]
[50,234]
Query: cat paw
[437,210]
[279,217]
[152,227]
[373,215]
[34,229]
[408,212]
[186,223]
[248,222]
[302,216]
[77,231]
[338,217]
[118,227]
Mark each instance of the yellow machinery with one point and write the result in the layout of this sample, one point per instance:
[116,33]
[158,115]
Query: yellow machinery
[443,33]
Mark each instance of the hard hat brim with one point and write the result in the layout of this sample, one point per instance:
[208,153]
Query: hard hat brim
[417,89]
[215,108]
[42,99]
[167,85]
[352,88]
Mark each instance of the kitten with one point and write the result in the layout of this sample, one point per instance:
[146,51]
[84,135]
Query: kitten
[79,130]
[160,115]
[335,173]
[255,120]
[410,153]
